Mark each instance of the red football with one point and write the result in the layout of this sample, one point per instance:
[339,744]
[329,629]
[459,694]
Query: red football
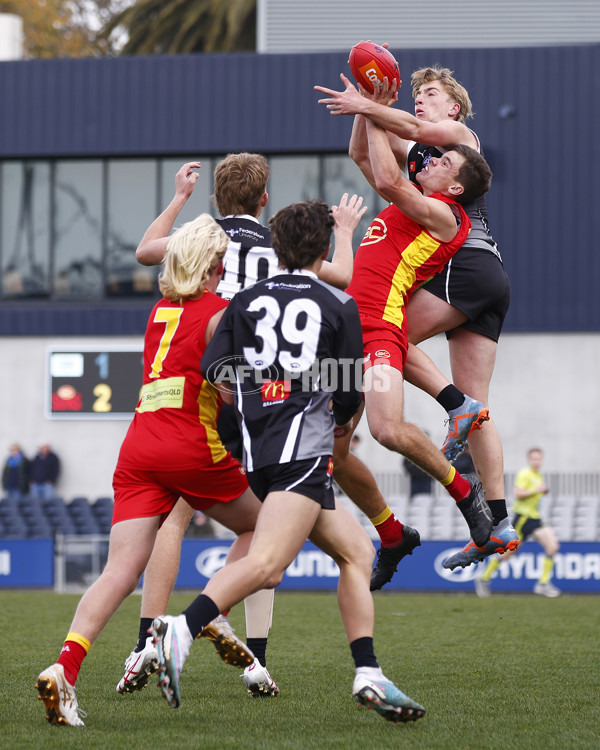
[370,62]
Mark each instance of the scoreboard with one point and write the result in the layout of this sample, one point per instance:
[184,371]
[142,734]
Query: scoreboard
[86,383]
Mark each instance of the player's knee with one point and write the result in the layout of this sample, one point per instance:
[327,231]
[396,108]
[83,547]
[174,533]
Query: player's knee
[341,450]
[123,579]
[359,551]
[268,572]
[391,436]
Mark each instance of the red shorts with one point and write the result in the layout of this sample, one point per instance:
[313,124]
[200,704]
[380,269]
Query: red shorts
[140,493]
[383,343]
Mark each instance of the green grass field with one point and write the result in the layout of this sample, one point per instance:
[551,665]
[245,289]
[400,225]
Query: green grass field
[505,672]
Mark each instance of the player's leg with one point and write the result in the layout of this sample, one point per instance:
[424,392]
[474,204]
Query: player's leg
[339,535]
[162,569]
[159,579]
[385,415]
[259,617]
[229,647]
[358,483]
[547,539]
[259,614]
[286,517]
[130,546]
[429,315]
[472,358]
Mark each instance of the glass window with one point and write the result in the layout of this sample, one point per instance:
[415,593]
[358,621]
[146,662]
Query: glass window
[25,232]
[293,178]
[78,272]
[132,202]
[341,175]
[199,202]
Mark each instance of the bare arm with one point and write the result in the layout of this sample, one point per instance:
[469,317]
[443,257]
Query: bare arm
[434,215]
[358,150]
[347,216]
[153,245]
[397,121]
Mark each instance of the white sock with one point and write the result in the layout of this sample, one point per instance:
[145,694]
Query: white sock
[371,673]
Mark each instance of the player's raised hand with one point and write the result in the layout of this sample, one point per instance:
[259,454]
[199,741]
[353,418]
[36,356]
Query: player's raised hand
[346,102]
[349,213]
[186,177]
[383,93]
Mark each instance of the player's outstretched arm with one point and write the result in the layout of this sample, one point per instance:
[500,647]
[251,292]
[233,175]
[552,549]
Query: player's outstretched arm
[338,271]
[433,214]
[153,245]
[376,107]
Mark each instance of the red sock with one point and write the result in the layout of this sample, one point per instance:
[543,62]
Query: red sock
[457,485]
[72,655]
[390,529]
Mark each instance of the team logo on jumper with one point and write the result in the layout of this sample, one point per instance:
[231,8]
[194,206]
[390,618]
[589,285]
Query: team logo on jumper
[376,232]
[382,353]
[275,390]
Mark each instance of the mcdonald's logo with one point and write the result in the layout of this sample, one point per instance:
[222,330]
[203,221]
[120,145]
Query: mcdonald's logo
[275,390]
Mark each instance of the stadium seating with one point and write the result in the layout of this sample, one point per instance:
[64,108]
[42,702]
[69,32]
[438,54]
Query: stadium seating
[13,525]
[58,516]
[83,518]
[102,510]
[574,518]
[586,519]
[561,516]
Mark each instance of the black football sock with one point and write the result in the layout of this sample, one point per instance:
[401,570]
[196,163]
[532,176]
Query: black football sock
[200,612]
[258,646]
[145,623]
[498,508]
[363,653]
[450,397]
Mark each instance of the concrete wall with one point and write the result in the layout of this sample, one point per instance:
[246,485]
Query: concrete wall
[545,392]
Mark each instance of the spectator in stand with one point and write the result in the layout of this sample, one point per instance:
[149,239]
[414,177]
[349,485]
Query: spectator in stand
[15,475]
[45,469]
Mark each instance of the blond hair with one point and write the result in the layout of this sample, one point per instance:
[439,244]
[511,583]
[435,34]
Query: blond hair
[194,251]
[240,183]
[451,86]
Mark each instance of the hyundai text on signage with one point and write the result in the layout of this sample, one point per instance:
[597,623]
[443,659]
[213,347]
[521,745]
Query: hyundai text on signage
[577,568]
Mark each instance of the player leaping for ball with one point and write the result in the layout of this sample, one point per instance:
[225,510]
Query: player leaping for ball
[469,300]
[405,245]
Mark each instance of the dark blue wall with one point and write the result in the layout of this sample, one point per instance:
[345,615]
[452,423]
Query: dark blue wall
[544,153]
